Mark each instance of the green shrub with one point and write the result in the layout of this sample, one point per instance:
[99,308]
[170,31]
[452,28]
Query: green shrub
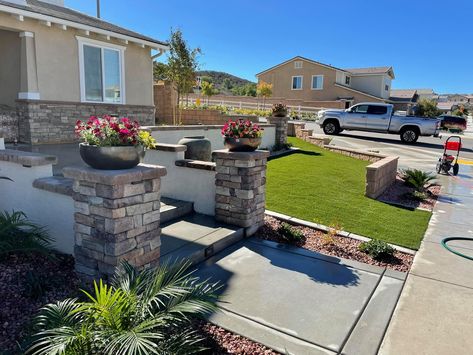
[417,179]
[377,249]
[427,108]
[290,234]
[17,234]
[140,312]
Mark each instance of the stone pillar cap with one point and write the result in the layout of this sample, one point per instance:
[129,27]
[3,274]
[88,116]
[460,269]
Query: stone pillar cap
[226,154]
[115,177]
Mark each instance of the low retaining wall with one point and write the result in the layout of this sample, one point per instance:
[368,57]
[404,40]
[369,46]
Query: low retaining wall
[380,175]
[173,134]
[355,153]
[186,180]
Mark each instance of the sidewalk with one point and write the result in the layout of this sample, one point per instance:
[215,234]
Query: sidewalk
[435,311]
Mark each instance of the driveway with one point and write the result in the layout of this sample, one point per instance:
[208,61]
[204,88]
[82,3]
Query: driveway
[423,155]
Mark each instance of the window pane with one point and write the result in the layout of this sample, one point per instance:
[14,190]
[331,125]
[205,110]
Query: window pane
[361,109]
[112,75]
[317,82]
[297,82]
[377,110]
[93,73]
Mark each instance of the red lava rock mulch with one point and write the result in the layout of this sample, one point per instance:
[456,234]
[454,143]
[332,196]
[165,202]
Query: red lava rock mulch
[18,307]
[343,247]
[20,278]
[221,341]
[399,193]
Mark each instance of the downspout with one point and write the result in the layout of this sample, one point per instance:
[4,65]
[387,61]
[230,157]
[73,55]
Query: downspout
[160,53]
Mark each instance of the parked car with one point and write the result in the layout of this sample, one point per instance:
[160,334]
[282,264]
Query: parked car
[452,123]
[378,117]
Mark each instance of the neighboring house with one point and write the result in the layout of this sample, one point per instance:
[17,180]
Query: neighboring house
[428,94]
[305,79]
[58,65]
[403,99]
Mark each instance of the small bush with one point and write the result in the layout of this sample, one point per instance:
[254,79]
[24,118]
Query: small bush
[417,179]
[329,237]
[290,234]
[377,249]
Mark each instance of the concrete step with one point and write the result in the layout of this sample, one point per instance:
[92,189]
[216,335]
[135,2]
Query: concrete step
[173,209]
[196,237]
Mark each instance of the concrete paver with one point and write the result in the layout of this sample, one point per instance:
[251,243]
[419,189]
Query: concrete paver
[435,311]
[302,302]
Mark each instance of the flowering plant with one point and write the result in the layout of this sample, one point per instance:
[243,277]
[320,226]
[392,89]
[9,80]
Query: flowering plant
[110,131]
[279,110]
[241,129]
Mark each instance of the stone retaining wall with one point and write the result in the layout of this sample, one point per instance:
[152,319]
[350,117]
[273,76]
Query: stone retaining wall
[380,175]
[53,122]
[8,123]
[203,117]
[357,154]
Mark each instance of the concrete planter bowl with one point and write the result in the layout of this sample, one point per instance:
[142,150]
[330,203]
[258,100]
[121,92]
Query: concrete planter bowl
[242,144]
[111,158]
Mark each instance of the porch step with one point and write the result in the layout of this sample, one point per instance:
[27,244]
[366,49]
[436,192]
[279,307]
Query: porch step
[173,209]
[196,237]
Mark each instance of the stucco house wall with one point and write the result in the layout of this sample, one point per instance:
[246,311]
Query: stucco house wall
[372,84]
[9,66]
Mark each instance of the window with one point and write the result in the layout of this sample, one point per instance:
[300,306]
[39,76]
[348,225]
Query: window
[347,80]
[298,64]
[297,83]
[386,87]
[360,109]
[101,72]
[377,110]
[317,82]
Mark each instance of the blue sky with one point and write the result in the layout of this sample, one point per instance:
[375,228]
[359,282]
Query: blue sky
[427,42]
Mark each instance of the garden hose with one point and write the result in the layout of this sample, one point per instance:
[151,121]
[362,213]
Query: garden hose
[446,240]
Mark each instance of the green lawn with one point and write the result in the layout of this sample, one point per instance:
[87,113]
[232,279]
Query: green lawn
[324,187]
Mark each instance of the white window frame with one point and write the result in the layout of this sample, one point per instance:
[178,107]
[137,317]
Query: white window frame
[298,64]
[302,82]
[121,57]
[312,82]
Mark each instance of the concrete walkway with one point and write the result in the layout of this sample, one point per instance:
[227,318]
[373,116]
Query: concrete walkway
[435,312]
[301,302]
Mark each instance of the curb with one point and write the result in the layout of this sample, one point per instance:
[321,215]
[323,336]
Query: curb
[323,228]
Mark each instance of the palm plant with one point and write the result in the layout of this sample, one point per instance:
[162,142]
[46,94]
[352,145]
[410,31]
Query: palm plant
[417,179]
[141,312]
[17,234]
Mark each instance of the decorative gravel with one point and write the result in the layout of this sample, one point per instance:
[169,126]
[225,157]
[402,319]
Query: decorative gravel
[399,193]
[343,247]
[221,341]
[17,306]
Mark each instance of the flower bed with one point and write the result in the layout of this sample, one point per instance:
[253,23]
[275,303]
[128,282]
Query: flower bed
[54,279]
[343,247]
[401,194]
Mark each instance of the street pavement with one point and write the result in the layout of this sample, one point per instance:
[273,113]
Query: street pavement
[422,155]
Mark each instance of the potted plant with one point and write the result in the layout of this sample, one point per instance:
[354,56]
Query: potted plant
[279,110]
[112,143]
[242,135]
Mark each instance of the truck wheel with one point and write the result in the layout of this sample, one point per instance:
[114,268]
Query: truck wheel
[331,127]
[409,135]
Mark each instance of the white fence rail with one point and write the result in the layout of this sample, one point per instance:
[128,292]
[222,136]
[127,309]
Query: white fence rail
[250,105]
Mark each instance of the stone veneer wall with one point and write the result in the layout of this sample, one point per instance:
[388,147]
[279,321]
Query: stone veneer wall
[53,122]
[281,129]
[240,188]
[8,123]
[204,117]
[380,175]
[117,216]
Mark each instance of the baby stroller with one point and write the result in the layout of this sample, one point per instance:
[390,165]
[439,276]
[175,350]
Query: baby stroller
[447,161]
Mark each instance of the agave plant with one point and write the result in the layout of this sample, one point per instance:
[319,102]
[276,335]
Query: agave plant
[141,312]
[417,179]
[17,234]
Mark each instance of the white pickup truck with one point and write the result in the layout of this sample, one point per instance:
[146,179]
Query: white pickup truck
[378,117]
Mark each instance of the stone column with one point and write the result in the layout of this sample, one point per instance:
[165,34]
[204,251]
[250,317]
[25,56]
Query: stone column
[281,128]
[117,214]
[29,89]
[240,188]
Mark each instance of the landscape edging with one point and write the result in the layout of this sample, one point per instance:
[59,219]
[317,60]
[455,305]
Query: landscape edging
[323,228]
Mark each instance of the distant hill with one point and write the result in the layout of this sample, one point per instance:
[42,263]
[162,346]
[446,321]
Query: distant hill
[222,81]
